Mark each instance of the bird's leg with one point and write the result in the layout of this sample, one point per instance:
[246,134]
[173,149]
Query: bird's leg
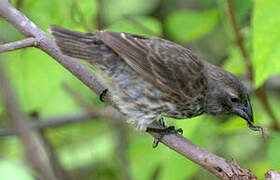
[163,131]
[102,94]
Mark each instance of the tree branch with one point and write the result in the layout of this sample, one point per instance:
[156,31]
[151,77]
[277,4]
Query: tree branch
[217,165]
[33,148]
[53,122]
[272,175]
[56,166]
[18,45]
[121,149]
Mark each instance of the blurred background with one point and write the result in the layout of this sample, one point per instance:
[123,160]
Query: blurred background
[85,148]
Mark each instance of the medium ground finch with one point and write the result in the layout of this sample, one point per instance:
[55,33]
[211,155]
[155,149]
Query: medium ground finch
[149,78]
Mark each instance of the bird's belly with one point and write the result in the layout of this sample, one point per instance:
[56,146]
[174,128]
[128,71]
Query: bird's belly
[184,110]
[136,98]
[139,100]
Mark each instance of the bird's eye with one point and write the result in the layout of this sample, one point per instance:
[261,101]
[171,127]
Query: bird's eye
[234,99]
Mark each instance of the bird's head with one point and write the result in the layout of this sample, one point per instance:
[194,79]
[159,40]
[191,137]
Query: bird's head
[227,95]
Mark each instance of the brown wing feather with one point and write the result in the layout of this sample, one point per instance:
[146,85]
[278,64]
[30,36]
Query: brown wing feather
[169,67]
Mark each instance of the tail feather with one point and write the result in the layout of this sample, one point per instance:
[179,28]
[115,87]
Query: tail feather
[76,44]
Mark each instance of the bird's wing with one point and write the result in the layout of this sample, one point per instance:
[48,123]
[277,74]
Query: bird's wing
[169,67]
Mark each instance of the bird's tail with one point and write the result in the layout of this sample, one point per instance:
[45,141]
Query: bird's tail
[75,44]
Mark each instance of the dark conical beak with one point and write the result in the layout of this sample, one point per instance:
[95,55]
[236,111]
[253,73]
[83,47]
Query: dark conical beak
[245,112]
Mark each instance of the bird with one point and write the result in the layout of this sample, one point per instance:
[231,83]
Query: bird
[150,78]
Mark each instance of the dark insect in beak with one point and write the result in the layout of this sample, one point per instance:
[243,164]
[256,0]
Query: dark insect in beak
[247,114]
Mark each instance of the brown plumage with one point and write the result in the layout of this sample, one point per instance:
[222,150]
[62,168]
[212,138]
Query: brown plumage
[151,77]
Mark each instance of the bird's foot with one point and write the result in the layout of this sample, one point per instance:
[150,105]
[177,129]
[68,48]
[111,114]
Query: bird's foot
[163,131]
[102,94]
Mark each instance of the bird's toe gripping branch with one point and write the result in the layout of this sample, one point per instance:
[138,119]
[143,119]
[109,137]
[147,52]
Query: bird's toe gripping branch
[102,94]
[164,131]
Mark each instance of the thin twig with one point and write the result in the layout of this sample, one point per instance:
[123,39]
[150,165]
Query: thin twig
[261,92]
[100,18]
[239,42]
[55,122]
[57,168]
[28,42]
[121,149]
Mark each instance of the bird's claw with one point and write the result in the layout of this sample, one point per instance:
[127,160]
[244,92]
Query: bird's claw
[156,141]
[180,131]
[164,131]
[102,94]
[171,128]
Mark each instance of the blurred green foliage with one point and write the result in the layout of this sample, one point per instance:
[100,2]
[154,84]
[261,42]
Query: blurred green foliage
[203,26]
[150,26]
[13,170]
[186,26]
[266,46]
[114,10]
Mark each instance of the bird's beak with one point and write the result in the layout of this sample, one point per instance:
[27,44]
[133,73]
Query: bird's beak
[245,112]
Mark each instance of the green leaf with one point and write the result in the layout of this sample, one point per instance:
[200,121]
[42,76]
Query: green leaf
[143,25]
[37,78]
[85,11]
[235,63]
[232,125]
[114,10]
[266,43]
[64,13]
[242,9]
[187,26]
